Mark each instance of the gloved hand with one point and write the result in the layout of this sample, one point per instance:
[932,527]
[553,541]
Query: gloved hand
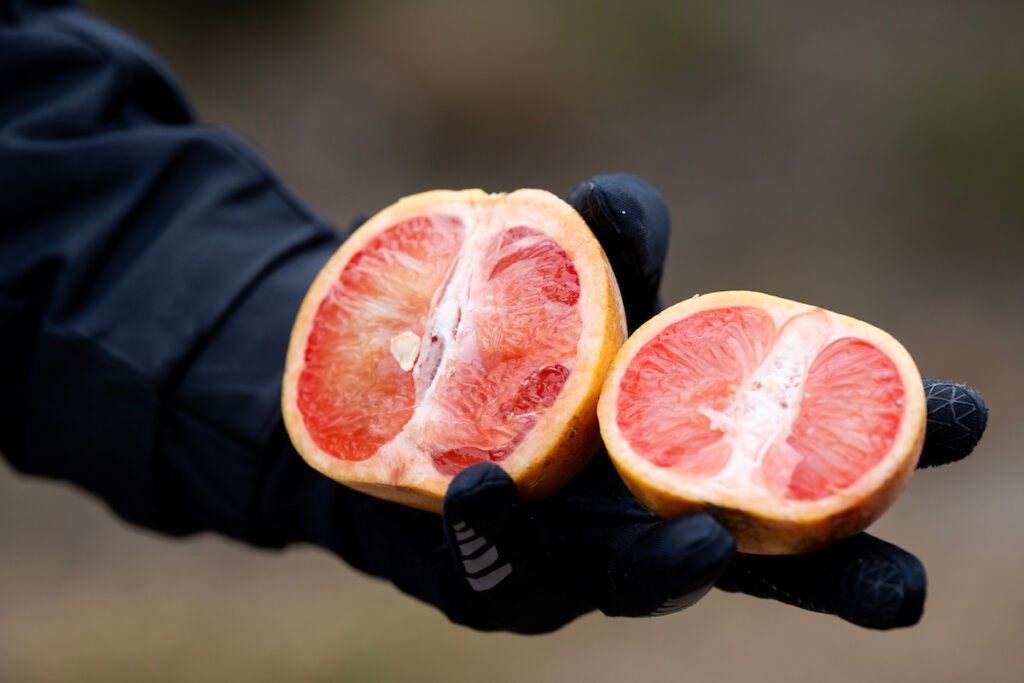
[493,562]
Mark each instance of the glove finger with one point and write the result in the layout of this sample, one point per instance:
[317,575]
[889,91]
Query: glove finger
[508,561]
[863,580]
[654,568]
[956,420]
[623,558]
[630,219]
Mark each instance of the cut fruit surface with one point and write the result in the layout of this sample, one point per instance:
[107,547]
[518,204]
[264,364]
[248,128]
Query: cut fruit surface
[454,328]
[794,426]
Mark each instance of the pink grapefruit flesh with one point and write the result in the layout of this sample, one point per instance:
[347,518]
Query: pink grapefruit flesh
[454,328]
[793,425]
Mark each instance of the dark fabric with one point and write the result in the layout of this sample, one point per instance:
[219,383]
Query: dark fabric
[150,269]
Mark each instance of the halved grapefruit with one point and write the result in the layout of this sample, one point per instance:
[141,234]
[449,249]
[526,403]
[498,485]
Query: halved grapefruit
[793,426]
[454,327]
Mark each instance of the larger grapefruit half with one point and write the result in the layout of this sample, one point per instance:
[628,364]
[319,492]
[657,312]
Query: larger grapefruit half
[794,426]
[454,327]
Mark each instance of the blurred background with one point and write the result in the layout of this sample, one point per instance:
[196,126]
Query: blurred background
[866,157]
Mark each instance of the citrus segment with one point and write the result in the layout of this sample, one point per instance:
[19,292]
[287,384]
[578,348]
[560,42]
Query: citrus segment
[849,417]
[353,393]
[454,328]
[678,380]
[793,425]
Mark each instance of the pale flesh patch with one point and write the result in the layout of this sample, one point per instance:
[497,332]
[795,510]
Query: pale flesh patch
[405,347]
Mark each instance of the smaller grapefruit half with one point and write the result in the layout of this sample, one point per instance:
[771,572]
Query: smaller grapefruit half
[452,328]
[793,426]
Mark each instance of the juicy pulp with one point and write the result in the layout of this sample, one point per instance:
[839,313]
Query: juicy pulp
[442,340]
[754,404]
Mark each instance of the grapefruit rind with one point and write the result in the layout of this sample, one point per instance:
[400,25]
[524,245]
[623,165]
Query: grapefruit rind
[566,436]
[762,523]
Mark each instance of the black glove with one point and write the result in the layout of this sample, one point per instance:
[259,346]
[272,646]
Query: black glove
[496,563]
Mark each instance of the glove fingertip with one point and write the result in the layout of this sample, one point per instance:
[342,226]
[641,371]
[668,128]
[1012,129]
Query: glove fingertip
[664,567]
[863,580]
[483,494]
[704,549]
[957,417]
[915,592]
[629,215]
[630,219]
[888,592]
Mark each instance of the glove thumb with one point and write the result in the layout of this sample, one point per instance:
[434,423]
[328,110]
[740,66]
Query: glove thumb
[507,560]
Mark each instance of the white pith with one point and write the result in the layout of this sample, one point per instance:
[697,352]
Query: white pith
[768,403]
[452,321]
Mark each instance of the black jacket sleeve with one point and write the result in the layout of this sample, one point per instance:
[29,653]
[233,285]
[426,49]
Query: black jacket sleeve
[150,270]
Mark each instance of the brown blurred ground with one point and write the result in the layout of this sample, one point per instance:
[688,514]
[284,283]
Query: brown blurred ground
[867,157]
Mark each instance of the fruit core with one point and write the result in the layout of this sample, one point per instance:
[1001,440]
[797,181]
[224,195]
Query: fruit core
[440,338]
[757,402]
